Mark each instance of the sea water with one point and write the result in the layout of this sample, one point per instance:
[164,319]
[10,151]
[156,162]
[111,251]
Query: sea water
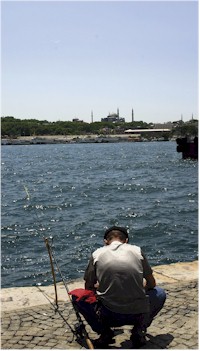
[73,192]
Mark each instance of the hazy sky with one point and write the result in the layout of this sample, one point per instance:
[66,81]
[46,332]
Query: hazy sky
[63,59]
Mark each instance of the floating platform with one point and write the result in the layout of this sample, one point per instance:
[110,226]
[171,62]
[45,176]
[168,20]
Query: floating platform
[189,148]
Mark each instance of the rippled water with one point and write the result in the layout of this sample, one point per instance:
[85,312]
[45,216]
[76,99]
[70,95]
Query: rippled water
[77,190]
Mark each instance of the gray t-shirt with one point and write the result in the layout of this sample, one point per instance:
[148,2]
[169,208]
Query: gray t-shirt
[119,268]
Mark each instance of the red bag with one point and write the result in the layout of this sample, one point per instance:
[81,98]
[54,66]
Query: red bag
[84,295]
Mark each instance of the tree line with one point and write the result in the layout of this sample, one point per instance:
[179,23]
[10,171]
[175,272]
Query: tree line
[13,127]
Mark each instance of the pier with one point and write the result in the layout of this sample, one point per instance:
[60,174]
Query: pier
[29,320]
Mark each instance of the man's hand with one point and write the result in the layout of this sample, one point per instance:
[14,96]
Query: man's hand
[150,282]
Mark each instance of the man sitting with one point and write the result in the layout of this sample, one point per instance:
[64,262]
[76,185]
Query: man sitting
[126,291]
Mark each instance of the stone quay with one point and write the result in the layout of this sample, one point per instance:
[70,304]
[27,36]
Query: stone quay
[30,320]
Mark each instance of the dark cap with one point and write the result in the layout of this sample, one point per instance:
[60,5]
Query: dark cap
[114,227]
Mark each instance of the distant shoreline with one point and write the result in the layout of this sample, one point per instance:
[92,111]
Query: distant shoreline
[63,139]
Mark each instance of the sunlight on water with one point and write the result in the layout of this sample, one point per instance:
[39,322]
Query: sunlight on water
[73,192]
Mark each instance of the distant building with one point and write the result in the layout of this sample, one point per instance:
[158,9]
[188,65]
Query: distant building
[114,117]
[147,130]
[163,125]
[77,120]
[132,114]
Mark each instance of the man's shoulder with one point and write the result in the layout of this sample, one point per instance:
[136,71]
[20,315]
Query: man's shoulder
[99,250]
[136,250]
[133,247]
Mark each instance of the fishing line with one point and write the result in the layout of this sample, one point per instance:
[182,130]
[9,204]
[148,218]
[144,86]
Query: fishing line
[80,330]
[58,268]
[64,319]
[49,252]
[28,198]
[165,275]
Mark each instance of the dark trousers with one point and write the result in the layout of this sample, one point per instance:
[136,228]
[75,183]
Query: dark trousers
[100,318]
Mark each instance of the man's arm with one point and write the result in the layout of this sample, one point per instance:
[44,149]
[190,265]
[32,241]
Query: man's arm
[150,282]
[90,276]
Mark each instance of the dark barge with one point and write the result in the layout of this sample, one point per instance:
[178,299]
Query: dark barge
[188,147]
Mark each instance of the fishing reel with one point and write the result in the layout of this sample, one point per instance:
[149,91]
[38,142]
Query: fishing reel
[79,330]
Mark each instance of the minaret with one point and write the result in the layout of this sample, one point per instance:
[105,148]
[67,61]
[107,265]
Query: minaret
[92,116]
[132,115]
[118,113]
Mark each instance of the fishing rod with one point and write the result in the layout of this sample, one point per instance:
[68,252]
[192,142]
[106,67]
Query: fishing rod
[49,252]
[52,271]
[80,330]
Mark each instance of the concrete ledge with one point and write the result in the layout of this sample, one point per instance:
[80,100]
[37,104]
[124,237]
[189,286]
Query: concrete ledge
[25,297]
[174,272]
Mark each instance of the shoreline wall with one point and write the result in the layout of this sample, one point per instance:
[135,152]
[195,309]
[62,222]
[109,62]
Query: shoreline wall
[24,297]
[65,139]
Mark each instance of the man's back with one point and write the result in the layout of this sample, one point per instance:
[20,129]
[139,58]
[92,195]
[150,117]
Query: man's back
[119,271]
[115,272]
